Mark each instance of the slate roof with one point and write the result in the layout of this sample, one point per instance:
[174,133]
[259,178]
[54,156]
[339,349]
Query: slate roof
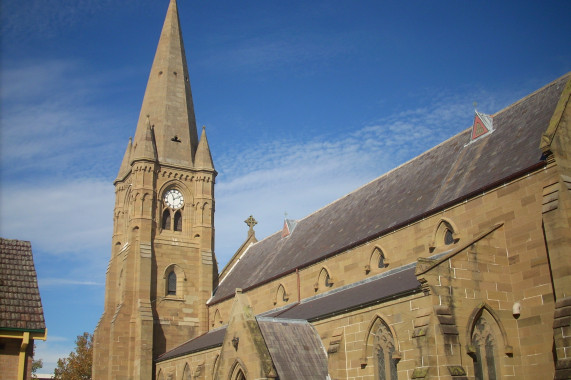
[213,338]
[442,176]
[391,284]
[20,302]
[295,348]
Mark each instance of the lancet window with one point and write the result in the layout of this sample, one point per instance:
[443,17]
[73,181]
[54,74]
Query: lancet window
[166,224]
[178,221]
[485,347]
[384,344]
[186,374]
[171,284]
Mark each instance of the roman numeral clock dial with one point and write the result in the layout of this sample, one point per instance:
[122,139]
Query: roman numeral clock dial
[174,199]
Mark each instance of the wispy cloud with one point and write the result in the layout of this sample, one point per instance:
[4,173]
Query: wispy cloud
[48,17]
[67,218]
[263,52]
[299,177]
[50,122]
[44,282]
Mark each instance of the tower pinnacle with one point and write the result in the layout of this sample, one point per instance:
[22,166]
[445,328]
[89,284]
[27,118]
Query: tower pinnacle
[168,100]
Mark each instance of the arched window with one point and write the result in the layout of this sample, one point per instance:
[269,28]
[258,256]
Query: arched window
[281,295]
[328,282]
[384,344]
[240,375]
[178,221]
[377,260]
[445,234]
[448,237]
[324,280]
[171,284]
[381,262]
[485,347]
[217,320]
[237,372]
[166,225]
[186,374]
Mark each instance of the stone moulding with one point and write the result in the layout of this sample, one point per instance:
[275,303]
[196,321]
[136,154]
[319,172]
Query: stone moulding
[424,266]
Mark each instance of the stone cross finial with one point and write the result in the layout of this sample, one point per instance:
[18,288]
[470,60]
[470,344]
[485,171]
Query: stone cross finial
[251,222]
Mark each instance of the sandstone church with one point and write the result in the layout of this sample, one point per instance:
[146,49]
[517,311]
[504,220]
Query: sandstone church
[455,265]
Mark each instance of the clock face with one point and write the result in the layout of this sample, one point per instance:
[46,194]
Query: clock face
[174,199]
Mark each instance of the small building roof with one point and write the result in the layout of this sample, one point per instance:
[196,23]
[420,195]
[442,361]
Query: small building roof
[444,175]
[213,338]
[295,348]
[392,284]
[20,302]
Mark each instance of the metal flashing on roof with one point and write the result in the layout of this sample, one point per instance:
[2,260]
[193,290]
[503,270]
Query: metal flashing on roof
[289,226]
[483,126]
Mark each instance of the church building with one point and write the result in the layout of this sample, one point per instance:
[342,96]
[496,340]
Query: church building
[455,265]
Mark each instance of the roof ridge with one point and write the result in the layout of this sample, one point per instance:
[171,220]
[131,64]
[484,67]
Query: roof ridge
[419,156]
[534,93]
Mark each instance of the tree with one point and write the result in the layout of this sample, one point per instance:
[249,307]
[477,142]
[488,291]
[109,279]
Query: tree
[36,365]
[77,366]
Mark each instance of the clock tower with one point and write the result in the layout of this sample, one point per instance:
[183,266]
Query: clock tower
[162,268]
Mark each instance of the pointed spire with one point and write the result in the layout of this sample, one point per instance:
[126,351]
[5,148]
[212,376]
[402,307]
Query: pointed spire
[125,164]
[145,148]
[203,158]
[168,99]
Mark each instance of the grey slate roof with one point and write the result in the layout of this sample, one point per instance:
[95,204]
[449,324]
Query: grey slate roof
[295,348]
[394,283]
[444,175]
[213,338]
[20,302]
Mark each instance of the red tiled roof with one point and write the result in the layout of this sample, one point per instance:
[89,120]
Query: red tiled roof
[20,302]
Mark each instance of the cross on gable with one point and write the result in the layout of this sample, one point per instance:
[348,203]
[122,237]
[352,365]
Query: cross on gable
[251,222]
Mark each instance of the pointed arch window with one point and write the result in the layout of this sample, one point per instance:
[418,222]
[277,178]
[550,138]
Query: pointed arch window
[240,375]
[385,362]
[186,374]
[328,282]
[166,224]
[171,284]
[178,221]
[324,280]
[281,295]
[445,234]
[381,261]
[238,372]
[217,320]
[485,349]
[377,260]
[448,237]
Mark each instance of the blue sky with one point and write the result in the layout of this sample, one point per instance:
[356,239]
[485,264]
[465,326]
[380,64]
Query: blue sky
[303,101]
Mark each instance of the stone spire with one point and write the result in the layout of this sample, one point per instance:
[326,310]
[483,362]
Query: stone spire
[203,158]
[125,164]
[145,148]
[168,100]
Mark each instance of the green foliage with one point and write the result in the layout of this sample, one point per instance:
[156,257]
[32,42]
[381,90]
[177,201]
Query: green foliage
[36,365]
[77,366]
